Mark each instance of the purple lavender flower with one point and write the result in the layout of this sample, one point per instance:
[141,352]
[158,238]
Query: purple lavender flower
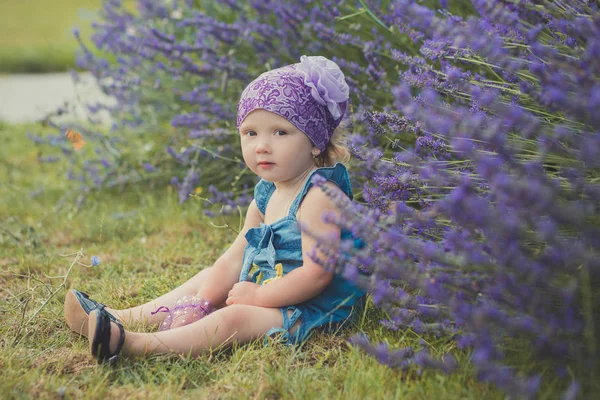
[148,167]
[95,261]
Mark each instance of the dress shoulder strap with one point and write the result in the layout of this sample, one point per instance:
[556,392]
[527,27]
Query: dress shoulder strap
[262,193]
[337,174]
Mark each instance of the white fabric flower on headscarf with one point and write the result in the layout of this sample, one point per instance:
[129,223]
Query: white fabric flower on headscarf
[326,81]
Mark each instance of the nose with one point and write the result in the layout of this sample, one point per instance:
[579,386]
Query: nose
[262,144]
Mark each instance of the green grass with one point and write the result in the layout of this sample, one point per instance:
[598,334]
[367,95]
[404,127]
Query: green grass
[148,243]
[37,35]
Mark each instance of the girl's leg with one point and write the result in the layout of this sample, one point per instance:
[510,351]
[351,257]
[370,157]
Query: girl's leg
[77,319]
[142,313]
[236,323]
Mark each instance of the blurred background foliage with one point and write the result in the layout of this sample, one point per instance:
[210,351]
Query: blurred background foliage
[36,36]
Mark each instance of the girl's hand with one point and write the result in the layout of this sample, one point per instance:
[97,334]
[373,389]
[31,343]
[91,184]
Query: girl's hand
[243,293]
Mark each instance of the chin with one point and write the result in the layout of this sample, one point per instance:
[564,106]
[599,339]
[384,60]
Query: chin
[262,173]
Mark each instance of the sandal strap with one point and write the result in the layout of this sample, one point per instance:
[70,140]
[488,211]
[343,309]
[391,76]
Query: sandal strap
[101,341]
[86,302]
[89,304]
[98,335]
[112,359]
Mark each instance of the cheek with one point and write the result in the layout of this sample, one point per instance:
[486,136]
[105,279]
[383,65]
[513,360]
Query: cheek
[303,147]
[244,157]
[247,156]
[244,145]
[246,151]
[302,158]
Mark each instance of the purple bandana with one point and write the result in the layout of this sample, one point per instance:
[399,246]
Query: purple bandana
[312,95]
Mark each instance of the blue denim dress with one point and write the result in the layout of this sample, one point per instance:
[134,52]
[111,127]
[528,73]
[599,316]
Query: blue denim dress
[273,250]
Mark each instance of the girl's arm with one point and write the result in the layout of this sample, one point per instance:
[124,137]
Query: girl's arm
[226,270]
[307,281]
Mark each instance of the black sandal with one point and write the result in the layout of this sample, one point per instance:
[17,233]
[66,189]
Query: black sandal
[100,342]
[77,303]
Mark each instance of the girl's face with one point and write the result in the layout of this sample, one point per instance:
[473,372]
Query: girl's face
[273,148]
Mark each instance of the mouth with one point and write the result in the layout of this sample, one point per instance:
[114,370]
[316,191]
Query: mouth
[265,164]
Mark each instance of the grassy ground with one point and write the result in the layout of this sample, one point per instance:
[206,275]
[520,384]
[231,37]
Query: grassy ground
[148,244]
[37,36]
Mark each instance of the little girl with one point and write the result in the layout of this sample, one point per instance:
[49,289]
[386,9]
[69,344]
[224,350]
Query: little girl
[269,281]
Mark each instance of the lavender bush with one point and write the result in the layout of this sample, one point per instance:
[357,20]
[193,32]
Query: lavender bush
[487,228]
[474,127]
